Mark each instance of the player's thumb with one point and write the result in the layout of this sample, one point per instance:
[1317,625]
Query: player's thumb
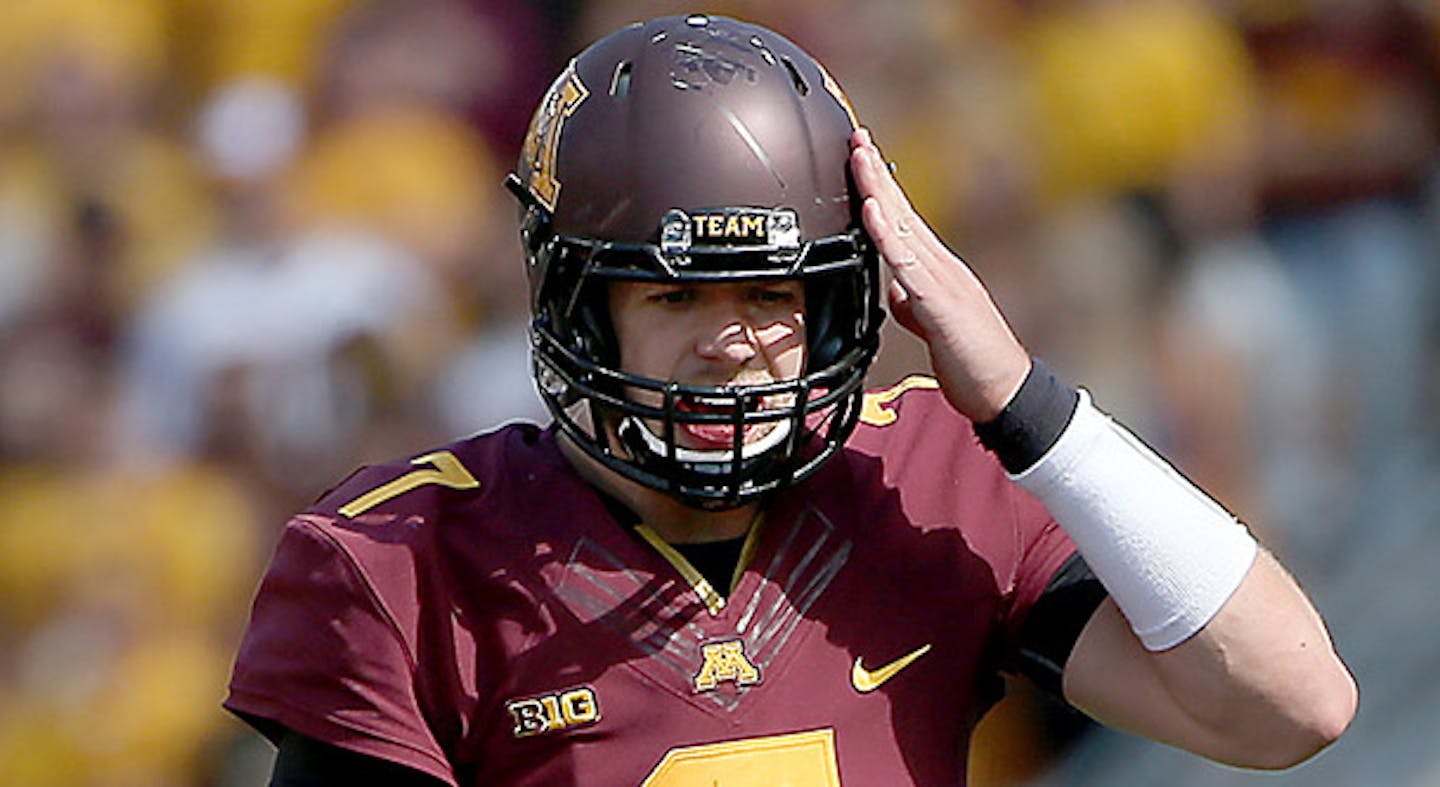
[900,308]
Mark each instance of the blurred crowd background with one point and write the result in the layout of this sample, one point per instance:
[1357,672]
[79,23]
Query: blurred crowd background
[246,245]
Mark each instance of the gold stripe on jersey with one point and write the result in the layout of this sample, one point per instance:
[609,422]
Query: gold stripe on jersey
[873,410]
[446,471]
[747,550]
[713,600]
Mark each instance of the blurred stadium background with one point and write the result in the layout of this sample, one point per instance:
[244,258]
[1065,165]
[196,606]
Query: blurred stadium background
[248,244]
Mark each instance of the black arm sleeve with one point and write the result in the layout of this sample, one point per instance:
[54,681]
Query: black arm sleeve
[306,762]
[1055,622]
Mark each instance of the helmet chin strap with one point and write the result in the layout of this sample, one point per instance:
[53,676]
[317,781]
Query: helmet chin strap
[704,461]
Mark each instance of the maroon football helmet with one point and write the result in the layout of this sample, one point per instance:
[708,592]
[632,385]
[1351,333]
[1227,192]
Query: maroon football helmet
[686,149]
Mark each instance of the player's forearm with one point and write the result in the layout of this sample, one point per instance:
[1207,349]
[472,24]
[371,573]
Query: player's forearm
[1236,663]
[1261,679]
[1255,701]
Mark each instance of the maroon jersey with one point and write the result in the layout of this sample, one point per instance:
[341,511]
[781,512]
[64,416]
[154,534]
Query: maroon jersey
[478,614]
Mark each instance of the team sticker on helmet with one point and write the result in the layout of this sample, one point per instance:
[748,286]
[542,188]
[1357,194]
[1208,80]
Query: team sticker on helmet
[776,229]
[542,141]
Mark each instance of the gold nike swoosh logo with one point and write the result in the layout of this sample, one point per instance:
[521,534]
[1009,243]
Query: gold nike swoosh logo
[866,681]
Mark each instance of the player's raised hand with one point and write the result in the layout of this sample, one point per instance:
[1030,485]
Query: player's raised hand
[935,295]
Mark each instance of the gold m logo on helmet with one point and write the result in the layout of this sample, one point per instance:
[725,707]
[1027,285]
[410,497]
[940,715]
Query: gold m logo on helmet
[725,661]
[542,141]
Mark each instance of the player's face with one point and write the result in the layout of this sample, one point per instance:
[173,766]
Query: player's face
[730,333]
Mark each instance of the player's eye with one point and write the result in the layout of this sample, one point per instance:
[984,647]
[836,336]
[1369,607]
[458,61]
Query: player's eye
[776,295]
[673,296]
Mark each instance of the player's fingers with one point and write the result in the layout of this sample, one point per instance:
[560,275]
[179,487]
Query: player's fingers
[900,309]
[905,222]
[905,255]
[873,178]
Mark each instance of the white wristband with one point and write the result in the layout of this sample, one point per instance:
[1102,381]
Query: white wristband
[1168,554]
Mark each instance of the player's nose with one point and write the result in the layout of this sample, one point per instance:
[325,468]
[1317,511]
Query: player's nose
[727,337]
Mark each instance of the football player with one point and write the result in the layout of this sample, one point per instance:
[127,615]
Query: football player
[725,562]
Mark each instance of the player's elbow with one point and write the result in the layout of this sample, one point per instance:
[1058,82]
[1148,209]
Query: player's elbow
[1312,725]
[1330,715]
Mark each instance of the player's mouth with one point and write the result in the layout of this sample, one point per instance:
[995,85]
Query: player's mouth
[714,434]
[713,443]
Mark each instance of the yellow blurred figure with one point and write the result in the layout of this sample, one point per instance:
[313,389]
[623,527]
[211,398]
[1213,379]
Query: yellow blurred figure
[77,78]
[1125,92]
[122,594]
[413,174]
[126,38]
[146,723]
[159,203]
[223,40]
[184,535]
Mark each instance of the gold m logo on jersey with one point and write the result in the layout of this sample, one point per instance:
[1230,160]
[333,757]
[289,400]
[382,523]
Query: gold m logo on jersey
[552,712]
[542,141]
[725,661]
